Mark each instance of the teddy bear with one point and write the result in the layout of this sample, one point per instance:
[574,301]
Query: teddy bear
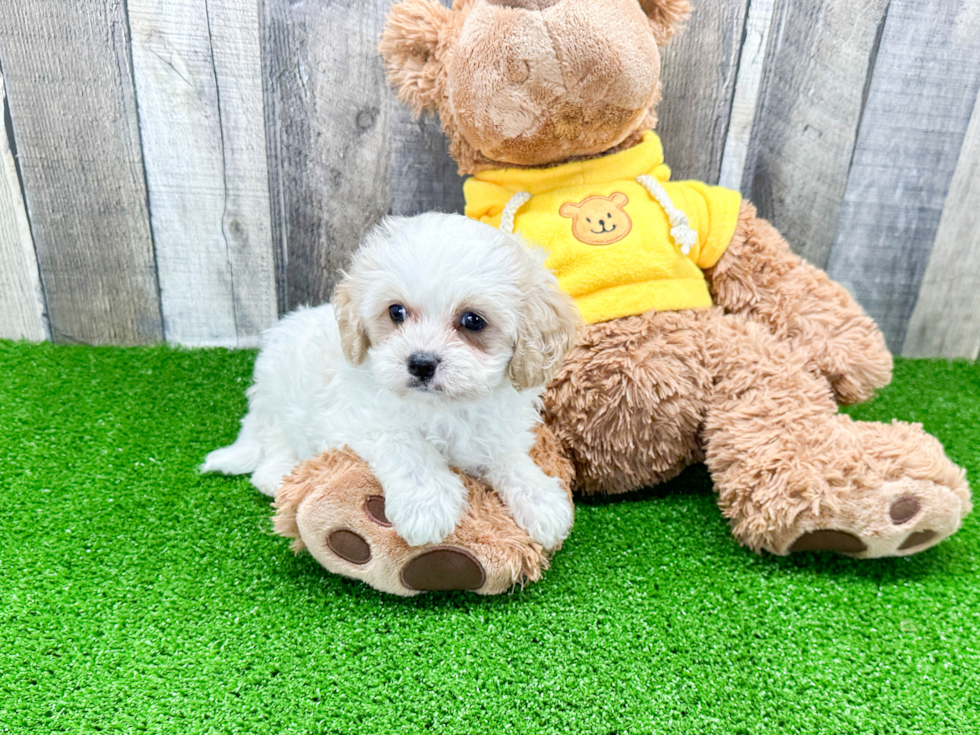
[707,339]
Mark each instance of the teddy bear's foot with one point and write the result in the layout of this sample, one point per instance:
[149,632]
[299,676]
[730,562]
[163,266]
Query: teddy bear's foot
[334,507]
[878,490]
[898,518]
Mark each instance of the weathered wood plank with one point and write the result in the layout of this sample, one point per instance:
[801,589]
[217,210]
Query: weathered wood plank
[946,318]
[329,136]
[810,106]
[70,91]
[423,176]
[918,109]
[21,298]
[199,88]
[699,70]
[748,84]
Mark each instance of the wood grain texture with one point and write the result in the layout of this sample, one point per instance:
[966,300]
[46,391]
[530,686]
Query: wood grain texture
[918,109]
[946,319]
[329,142]
[810,104]
[699,70]
[21,297]
[199,88]
[748,84]
[73,112]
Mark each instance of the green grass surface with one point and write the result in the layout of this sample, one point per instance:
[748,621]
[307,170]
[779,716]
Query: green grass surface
[137,596]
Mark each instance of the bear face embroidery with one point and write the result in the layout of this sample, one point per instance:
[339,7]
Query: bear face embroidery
[599,220]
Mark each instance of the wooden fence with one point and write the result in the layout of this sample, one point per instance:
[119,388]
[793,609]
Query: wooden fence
[186,170]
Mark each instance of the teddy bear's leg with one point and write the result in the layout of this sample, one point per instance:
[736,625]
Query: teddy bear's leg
[334,507]
[760,278]
[628,402]
[794,475]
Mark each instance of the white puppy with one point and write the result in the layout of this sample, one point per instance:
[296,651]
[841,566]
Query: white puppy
[450,330]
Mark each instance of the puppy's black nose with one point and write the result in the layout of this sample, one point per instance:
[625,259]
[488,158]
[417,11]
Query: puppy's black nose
[423,365]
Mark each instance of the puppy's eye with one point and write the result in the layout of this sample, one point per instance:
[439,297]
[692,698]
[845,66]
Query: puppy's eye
[398,313]
[472,322]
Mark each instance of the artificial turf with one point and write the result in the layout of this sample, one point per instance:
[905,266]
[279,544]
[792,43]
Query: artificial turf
[138,596]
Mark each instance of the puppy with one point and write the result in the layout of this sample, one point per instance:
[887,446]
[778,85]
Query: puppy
[433,354]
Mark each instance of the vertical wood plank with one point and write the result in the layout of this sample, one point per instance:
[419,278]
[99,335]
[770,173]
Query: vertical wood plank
[810,103]
[946,318]
[748,83]
[70,90]
[423,176]
[329,136]
[21,298]
[918,109]
[199,88]
[699,70]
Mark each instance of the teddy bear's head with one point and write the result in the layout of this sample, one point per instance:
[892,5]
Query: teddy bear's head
[531,82]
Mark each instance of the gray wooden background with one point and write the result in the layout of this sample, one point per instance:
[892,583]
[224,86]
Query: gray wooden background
[187,170]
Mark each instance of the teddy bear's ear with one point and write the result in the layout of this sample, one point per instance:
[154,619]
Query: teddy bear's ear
[409,46]
[619,199]
[666,17]
[568,209]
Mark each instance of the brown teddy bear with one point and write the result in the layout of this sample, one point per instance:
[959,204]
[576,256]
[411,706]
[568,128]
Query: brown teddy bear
[707,339]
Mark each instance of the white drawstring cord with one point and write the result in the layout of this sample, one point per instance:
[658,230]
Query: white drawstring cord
[680,227]
[510,210]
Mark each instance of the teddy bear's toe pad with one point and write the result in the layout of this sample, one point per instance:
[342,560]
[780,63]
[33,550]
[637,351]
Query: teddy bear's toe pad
[349,546]
[444,568]
[829,541]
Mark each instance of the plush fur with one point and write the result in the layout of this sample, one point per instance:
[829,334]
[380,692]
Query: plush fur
[750,386]
[472,404]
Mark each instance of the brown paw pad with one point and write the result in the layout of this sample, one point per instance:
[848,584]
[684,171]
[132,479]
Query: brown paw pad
[829,541]
[349,546]
[374,506]
[444,568]
[904,509]
[917,538]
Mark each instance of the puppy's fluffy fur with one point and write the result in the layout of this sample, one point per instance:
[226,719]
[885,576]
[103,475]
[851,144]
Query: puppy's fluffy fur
[475,411]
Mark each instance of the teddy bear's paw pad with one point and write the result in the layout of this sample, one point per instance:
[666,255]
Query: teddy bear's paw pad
[349,546]
[839,541]
[917,539]
[904,510]
[374,506]
[444,568]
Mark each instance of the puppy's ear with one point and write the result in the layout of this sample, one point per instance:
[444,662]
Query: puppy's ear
[410,45]
[547,330]
[666,16]
[353,336]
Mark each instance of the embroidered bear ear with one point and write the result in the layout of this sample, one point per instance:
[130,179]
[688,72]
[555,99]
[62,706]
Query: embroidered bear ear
[410,48]
[666,16]
[619,199]
[569,209]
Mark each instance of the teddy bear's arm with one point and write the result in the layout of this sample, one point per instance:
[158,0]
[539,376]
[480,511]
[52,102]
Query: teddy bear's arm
[760,277]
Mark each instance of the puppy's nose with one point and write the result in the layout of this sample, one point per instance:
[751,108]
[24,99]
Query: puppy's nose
[423,365]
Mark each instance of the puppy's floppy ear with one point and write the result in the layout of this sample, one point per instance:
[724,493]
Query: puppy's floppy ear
[666,17]
[409,45]
[547,330]
[353,336]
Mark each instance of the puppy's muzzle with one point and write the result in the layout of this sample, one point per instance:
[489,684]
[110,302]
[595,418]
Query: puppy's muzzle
[422,365]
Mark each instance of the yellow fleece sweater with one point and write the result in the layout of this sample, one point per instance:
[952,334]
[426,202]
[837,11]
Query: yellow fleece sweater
[608,238]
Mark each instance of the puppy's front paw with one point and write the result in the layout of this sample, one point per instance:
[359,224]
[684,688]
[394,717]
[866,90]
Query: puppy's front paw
[426,515]
[544,510]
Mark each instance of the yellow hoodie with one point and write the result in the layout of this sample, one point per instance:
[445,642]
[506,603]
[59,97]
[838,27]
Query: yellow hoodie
[609,239]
